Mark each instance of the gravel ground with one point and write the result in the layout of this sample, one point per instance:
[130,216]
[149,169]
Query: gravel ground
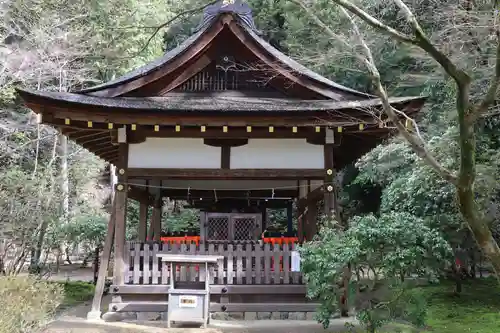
[74,321]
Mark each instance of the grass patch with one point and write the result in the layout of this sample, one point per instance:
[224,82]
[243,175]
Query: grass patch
[76,292]
[476,310]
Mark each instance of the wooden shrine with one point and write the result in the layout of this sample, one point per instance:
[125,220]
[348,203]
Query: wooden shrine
[223,120]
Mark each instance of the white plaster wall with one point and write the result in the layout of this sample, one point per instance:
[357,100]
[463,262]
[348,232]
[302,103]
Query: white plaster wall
[174,153]
[277,154]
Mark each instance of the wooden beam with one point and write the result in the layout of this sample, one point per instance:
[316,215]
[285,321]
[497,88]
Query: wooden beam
[121,215]
[221,194]
[192,70]
[142,196]
[234,132]
[227,204]
[267,307]
[151,289]
[95,310]
[162,306]
[231,174]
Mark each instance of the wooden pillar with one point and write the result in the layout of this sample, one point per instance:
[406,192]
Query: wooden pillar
[289,217]
[203,229]
[157,210]
[300,226]
[95,311]
[121,214]
[329,193]
[143,221]
[264,218]
[151,225]
[312,220]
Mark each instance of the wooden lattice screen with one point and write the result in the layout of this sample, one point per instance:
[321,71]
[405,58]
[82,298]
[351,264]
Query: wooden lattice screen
[217,79]
[231,226]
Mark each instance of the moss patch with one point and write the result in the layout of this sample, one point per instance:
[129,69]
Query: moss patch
[476,310]
[76,292]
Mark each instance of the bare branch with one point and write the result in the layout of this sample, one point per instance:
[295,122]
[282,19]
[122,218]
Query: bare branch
[320,23]
[422,41]
[491,93]
[163,25]
[373,22]
[415,141]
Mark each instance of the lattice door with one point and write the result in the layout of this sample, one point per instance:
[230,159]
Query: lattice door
[222,227]
[244,227]
[218,227]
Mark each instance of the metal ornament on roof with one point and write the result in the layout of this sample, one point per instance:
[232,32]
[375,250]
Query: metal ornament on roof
[226,63]
[238,7]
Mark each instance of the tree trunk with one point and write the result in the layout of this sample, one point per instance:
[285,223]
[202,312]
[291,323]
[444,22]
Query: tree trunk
[458,279]
[35,260]
[63,155]
[465,186]
[479,228]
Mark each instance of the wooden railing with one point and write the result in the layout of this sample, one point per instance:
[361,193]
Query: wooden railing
[244,263]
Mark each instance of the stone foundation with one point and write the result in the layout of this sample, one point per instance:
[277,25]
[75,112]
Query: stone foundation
[226,316]
[262,315]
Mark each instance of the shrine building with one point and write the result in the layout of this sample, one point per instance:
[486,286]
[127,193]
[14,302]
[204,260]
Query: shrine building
[233,126]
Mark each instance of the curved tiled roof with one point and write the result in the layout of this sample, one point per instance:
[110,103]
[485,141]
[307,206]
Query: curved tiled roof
[211,15]
[196,103]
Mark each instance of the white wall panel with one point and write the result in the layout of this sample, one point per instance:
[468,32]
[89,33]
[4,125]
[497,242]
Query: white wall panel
[174,153]
[277,154]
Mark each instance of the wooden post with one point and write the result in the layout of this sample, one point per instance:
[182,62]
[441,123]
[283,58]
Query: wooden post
[263,210]
[311,217]
[143,221]
[157,209]
[95,311]
[151,225]
[203,229]
[121,215]
[289,217]
[329,184]
[300,226]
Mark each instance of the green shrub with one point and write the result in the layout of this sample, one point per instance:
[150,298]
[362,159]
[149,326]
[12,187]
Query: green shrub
[390,247]
[27,303]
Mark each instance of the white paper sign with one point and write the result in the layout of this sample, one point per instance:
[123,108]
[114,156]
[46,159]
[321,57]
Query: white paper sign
[188,301]
[295,261]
